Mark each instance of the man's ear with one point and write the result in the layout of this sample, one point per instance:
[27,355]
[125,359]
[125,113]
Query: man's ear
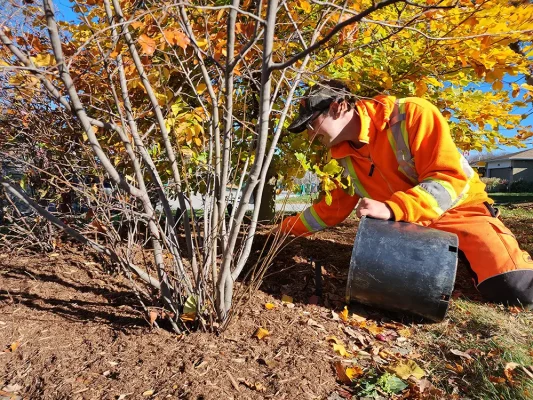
[335,109]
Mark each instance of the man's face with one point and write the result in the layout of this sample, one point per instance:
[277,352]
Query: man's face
[325,127]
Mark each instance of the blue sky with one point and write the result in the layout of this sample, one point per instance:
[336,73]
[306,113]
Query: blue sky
[65,10]
[65,13]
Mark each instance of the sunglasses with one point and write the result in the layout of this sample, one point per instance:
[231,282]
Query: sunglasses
[309,124]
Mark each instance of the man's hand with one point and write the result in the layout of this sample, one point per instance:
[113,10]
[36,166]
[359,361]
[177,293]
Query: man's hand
[373,208]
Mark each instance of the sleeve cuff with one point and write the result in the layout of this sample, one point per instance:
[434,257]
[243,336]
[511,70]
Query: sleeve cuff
[398,214]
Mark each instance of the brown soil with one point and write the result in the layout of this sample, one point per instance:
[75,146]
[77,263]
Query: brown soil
[81,334]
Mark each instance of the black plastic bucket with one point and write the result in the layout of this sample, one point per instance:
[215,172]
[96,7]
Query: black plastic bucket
[403,267]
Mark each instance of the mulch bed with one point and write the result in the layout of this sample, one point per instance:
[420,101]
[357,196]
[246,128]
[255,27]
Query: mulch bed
[69,330]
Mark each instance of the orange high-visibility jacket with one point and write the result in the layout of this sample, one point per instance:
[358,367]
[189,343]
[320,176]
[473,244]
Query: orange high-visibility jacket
[409,162]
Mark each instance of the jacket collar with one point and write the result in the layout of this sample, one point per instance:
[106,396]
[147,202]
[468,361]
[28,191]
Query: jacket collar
[374,115]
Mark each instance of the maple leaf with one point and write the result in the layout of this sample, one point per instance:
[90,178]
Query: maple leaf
[176,38]
[148,44]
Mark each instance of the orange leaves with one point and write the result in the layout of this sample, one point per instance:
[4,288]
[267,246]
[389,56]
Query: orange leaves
[176,38]
[509,371]
[346,376]
[147,44]
[455,367]
[344,314]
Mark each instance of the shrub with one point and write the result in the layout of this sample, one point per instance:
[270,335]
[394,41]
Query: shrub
[495,184]
[521,186]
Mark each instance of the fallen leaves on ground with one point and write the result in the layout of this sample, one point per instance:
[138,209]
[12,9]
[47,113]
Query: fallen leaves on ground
[341,374]
[461,354]
[259,387]
[333,339]
[458,368]
[12,347]
[286,299]
[261,333]
[354,372]
[509,371]
[339,348]
[407,368]
[344,314]
[270,306]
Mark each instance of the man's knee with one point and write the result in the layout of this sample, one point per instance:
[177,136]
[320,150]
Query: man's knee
[513,288]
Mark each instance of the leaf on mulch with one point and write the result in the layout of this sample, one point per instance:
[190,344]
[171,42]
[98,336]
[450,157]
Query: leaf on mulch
[356,335]
[312,322]
[341,374]
[259,387]
[386,336]
[509,371]
[404,332]
[270,306]
[191,305]
[344,314]
[346,376]
[333,339]
[12,347]
[371,327]
[461,354]
[261,333]
[339,348]
[153,316]
[269,363]
[354,372]
[406,368]
[286,299]
[12,388]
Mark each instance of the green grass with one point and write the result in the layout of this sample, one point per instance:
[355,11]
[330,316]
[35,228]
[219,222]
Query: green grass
[511,197]
[510,211]
[497,337]
[304,199]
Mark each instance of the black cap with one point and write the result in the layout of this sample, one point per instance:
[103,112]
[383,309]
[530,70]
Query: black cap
[318,98]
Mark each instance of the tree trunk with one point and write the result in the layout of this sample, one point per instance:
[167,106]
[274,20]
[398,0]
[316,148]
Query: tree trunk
[267,210]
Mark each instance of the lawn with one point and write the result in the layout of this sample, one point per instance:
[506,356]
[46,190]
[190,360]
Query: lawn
[501,198]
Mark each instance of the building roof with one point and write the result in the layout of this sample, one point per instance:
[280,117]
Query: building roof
[520,155]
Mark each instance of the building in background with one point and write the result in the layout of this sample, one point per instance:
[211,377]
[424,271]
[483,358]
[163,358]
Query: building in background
[510,167]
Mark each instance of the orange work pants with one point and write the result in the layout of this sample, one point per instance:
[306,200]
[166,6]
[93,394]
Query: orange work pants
[504,272]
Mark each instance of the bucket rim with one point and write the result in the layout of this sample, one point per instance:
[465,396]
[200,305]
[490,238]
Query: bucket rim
[348,294]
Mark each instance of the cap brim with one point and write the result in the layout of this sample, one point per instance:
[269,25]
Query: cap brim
[298,125]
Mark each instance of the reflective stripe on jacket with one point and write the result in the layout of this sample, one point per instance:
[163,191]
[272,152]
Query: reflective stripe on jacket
[409,162]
